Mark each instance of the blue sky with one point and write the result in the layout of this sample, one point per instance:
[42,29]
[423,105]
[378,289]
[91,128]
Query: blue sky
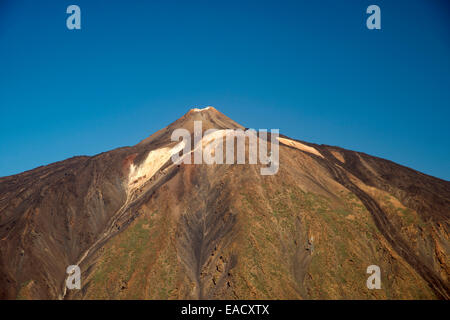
[310,68]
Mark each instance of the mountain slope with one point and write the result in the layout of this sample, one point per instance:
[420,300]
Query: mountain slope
[143,227]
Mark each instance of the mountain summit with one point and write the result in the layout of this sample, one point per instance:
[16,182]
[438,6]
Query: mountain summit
[210,117]
[142,227]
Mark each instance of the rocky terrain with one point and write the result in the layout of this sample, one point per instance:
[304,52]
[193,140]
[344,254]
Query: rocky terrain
[142,227]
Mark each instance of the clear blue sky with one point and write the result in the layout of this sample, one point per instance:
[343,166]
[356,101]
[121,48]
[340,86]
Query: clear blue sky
[310,68]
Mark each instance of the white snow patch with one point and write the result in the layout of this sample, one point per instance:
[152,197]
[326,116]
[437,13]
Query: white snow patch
[199,110]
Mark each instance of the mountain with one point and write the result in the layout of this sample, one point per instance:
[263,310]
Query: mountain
[143,227]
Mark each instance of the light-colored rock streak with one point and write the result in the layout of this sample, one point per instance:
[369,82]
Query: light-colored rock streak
[155,160]
[299,146]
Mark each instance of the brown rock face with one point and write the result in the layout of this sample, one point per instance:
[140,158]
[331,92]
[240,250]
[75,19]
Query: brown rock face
[141,227]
